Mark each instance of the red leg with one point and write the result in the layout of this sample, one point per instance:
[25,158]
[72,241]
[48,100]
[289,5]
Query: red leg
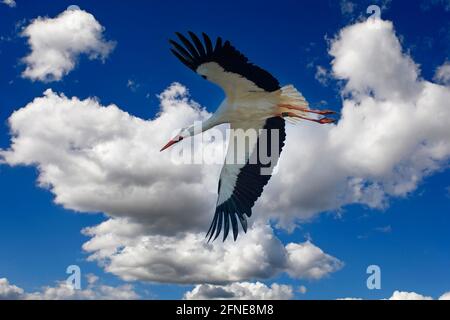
[293,115]
[321,112]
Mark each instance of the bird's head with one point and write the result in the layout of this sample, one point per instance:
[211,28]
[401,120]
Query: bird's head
[184,133]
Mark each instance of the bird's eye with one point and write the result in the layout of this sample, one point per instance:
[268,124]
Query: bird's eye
[204,77]
[180,138]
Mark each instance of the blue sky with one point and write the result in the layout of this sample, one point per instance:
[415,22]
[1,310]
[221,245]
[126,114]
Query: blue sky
[408,239]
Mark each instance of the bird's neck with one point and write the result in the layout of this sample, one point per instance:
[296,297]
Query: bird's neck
[213,121]
[199,127]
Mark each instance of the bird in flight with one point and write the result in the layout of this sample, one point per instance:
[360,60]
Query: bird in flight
[254,101]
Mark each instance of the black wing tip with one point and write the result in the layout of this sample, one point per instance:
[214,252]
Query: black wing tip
[179,34]
[228,217]
[222,52]
[183,60]
[192,35]
[196,50]
[218,43]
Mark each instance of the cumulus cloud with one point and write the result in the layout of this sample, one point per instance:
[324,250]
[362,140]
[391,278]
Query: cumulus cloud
[445,296]
[240,291]
[443,74]
[404,295]
[393,132]
[101,159]
[9,3]
[305,260]
[408,295]
[9,291]
[64,291]
[57,43]
[188,258]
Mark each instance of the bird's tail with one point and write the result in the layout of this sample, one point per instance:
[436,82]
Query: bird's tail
[292,101]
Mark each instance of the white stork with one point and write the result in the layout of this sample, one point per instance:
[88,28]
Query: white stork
[254,99]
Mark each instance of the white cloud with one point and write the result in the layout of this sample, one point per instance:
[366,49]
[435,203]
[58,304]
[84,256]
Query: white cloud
[387,75]
[445,296]
[9,3]
[9,291]
[91,278]
[187,258]
[63,291]
[408,295]
[240,291]
[393,132]
[443,74]
[322,75]
[305,260]
[57,43]
[404,295]
[101,159]
[302,289]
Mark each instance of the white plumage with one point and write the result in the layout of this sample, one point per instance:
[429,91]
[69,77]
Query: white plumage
[255,103]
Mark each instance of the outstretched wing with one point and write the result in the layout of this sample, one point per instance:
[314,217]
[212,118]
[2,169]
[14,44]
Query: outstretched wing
[240,185]
[223,65]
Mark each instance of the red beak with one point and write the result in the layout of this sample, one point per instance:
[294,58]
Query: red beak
[171,143]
